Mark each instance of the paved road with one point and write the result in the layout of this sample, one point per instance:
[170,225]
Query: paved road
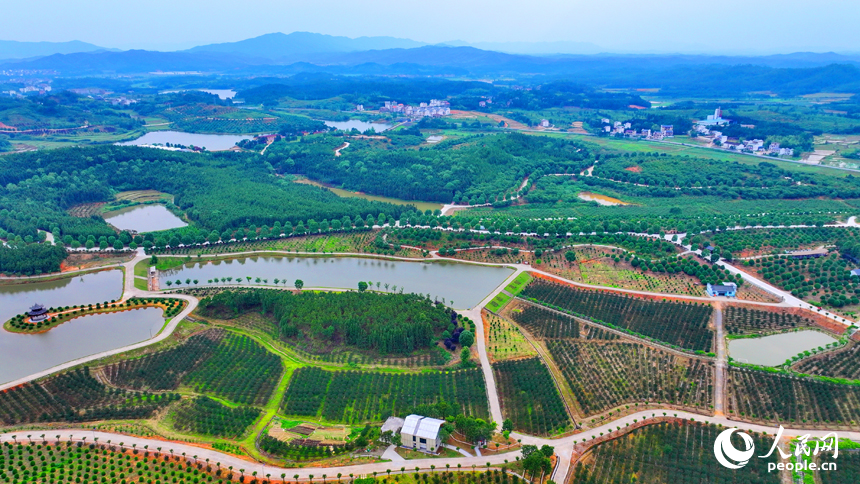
[721,363]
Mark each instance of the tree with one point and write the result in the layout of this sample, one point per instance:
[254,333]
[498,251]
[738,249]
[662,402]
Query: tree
[570,256]
[300,284]
[465,355]
[507,425]
[467,338]
[362,286]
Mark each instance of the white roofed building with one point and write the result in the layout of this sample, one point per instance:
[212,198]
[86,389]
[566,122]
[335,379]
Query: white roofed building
[421,433]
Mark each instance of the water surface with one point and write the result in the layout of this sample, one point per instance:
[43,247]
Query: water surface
[25,354]
[359,125]
[221,93]
[212,142]
[773,350]
[464,284]
[144,218]
[91,288]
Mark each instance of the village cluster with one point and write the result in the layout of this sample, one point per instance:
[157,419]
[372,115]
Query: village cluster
[435,108]
[704,128]
[626,129]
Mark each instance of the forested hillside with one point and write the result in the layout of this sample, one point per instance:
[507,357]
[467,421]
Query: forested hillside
[384,323]
[475,169]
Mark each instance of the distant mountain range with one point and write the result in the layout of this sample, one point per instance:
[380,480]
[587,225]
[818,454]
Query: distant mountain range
[10,49]
[286,54]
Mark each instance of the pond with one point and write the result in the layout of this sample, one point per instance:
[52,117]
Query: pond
[462,285]
[69,291]
[144,218]
[600,199]
[773,350]
[212,142]
[25,354]
[359,125]
[221,93]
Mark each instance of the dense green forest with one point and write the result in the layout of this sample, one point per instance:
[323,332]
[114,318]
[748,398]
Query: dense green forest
[217,191]
[384,323]
[62,109]
[477,169]
[31,259]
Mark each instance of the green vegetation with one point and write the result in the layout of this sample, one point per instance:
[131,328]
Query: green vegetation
[354,397]
[75,396]
[203,415]
[606,375]
[840,363]
[678,324]
[382,323]
[743,320]
[826,280]
[29,259]
[529,397]
[763,241]
[673,452]
[498,302]
[772,397]
[517,285]
[227,365]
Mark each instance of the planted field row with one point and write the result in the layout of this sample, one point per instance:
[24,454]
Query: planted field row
[354,396]
[529,397]
[604,376]
[772,397]
[826,279]
[543,323]
[758,241]
[741,320]
[203,415]
[296,452]
[684,325]
[505,340]
[672,452]
[227,365]
[842,363]
[75,397]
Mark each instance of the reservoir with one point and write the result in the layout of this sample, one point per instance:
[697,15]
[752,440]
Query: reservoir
[775,349]
[462,285]
[212,142]
[25,354]
[359,125]
[90,288]
[144,218]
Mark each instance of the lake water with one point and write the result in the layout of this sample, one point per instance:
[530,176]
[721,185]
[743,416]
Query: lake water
[773,350]
[25,354]
[221,93]
[212,142]
[144,218]
[91,288]
[464,284]
[359,125]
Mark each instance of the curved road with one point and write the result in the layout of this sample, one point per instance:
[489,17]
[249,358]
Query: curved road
[564,446]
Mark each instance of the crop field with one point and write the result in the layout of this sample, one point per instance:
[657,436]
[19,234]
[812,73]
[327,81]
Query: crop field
[826,280]
[753,242]
[75,396]
[543,323]
[757,395]
[355,396]
[498,302]
[203,415]
[85,210]
[605,375]
[504,340]
[52,461]
[849,469]
[680,324]
[840,363]
[357,242]
[742,320]
[672,452]
[529,397]
[141,196]
[231,366]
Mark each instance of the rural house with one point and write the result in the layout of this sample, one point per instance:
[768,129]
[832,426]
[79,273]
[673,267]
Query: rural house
[421,433]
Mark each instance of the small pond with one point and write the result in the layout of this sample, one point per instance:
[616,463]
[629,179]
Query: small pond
[221,93]
[773,350]
[25,354]
[212,142]
[359,125]
[144,218]
[465,284]
[69,291]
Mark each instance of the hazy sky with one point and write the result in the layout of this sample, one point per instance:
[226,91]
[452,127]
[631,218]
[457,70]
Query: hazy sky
[730,26]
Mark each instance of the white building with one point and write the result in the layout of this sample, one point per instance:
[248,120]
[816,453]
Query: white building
[421,433]
[544,123]
[715,119]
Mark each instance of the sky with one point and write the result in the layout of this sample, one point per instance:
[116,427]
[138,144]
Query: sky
[721,26]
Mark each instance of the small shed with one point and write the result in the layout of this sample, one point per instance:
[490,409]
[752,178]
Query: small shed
[855,272]
[421,433]
[808,254]
[727,289]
